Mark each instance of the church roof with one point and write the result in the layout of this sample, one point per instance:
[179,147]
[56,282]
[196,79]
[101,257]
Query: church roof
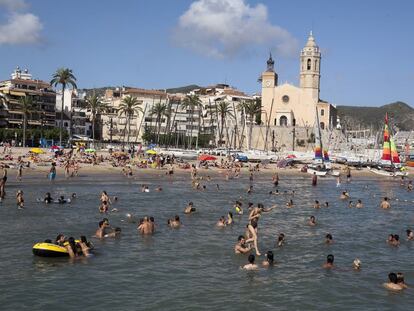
[311,41]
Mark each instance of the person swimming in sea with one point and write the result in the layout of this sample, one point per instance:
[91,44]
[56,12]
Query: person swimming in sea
[312,221]
[241,247]
[328,238]
[344,195]
[281,239]
[410,235]
[392,284]
[269,262]
[238,207]
[229,220]
[251,263]
[48,199]
[329,264]
[190,208]
[221,222]
[385,204]
[359,204]
[316,205]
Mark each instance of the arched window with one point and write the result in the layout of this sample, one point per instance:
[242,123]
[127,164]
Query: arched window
[322,125]
[322,112]
[283,121]
[275,122]
[316,65]
[308,66]
[294,122]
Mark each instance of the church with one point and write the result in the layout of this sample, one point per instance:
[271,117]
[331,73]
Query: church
[288,105]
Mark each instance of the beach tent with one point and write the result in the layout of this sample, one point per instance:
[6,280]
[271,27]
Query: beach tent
[37,150]
[90,150]
[207,157]
[150,151]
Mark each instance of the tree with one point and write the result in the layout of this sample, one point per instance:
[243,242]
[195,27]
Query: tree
[129,107]
[96,106]
[159,110]
[191,102]
[251,108]
[223,110]
[64,77]
[27,107]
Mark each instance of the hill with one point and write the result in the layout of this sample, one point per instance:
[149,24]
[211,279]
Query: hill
[400,114]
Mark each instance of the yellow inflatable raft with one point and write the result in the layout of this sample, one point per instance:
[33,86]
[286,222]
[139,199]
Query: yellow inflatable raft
[49,250]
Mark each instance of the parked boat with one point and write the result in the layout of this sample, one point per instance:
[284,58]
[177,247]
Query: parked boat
[390,164]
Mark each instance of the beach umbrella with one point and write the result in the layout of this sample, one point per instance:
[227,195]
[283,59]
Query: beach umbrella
[37,150]
[291,156]
[207,157]
[54,147]
[90,150]
[150,151]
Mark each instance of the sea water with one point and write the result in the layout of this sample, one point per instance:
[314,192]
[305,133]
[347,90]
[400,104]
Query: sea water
[194,267]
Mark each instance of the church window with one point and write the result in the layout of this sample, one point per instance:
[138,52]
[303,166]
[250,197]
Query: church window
[322,125]
[283,121]
[285,99]
[316,64]
[275,122]
[309,64]
[294,122]
[322,112]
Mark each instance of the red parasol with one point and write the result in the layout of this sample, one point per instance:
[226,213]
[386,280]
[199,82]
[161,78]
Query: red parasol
[206,157]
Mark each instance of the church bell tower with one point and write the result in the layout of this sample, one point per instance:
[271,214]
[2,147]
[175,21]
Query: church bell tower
[310,68]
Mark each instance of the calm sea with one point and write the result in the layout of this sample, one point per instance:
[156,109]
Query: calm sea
[194,268]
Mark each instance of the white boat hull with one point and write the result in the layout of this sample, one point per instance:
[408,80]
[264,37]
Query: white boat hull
[387,173]
[317,173]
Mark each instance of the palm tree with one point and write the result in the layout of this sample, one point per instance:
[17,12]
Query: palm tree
[96,106]
[251,108]
[191,102]
[64,77]
[129,107]
[223,110]
[26,108]
[159,110]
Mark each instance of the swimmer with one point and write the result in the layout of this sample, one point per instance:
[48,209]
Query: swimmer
[48,199]
[241,247]
[238,207]
[229,220]
[317,205]
[344,195]
[105,197]
[312,221]
[251,265]
[269,262]
[359,204]
[256,212]
[190,208]
[175,222]
[396,240]
[71,247]
[158,189]
[281,239]
[250,189]
[350,204]
[100,233]
[393,282]
[217,187]
[145,227]
[114,234]
[400,280]
[73,195]
[328,239]
[60,240]
[410,186]
[221,222]
[84,246]
[62,200]
[329,262]
[326,204]
[289,204]
[276,192]
[410,235]
[314,179]
[19,199]
[385,204]
[356,264]
[103,208]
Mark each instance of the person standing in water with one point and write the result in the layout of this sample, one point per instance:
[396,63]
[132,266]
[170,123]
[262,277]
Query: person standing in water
[385,204]
[52,172]
[20,199]
[314,179]
[3,185]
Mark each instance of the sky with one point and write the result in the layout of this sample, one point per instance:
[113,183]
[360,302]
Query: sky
[367,46]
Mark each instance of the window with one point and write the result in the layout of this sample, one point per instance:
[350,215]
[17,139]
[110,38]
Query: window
[283,121]
[322,125]
[308,66]
[275,123]
[285,99]
[294,122]
[316,64]
[322,112]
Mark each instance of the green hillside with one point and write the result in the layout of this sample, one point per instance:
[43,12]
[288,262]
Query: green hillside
[400,114]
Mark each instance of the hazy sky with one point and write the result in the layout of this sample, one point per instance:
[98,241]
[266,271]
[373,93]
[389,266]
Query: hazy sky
[367,46]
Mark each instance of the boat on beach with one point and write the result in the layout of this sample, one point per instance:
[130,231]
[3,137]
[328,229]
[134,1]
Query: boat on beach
[390,164]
